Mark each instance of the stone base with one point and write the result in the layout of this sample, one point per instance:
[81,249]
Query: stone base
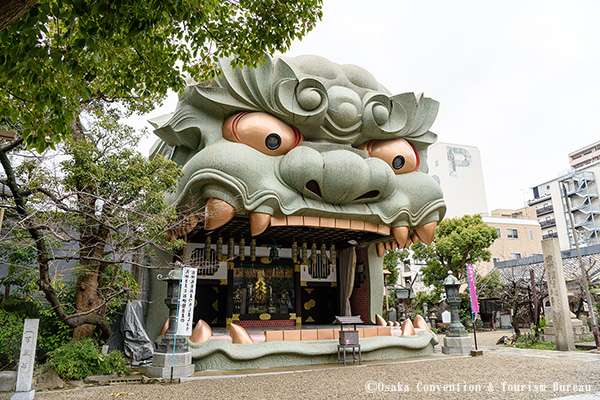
[8,381]
[162,362]
[580,332]
[475,353]
[165,360]
[165,372]
[460,345]
[23,395]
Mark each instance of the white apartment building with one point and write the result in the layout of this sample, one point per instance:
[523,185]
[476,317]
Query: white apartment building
[458,170]
[585,156]
[582,193]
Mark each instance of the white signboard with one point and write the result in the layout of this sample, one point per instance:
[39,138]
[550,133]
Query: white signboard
[187,297]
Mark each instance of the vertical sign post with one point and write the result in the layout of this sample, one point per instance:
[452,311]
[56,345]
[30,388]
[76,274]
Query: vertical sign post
[27,360]
[187,296]
[185,307]
[474,302]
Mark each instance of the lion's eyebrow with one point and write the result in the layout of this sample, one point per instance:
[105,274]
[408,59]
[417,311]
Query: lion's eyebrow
[323,147]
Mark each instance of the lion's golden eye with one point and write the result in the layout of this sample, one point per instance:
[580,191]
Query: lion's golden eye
[400,155]
[261,131]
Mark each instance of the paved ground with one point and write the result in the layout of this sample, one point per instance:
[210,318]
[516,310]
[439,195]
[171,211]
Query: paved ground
[501,373]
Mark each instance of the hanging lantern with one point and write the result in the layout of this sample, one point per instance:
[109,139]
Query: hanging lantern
[294,252]
[313,253]
[242,251]
[230,248]
[332,255]
[323,254]
[219,248]
[304,253]
[207,248]
[253,250]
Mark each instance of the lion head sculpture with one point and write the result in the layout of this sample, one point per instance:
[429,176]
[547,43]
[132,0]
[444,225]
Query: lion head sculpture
[304,141]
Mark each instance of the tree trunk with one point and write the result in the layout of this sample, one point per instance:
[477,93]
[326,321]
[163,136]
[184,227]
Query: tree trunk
[43,254]
[515,325]
[12,10]
[86,299]
[6,291]
[92,239]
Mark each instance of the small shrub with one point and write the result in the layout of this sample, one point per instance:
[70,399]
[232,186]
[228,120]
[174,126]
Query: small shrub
[10,338]
[80,358]
[53,333]
[115,363]
[527,342]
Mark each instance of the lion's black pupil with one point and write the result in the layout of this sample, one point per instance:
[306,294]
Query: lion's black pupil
[273,141]
[398,162]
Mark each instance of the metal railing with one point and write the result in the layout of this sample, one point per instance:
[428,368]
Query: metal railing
[544,210]
[546,224]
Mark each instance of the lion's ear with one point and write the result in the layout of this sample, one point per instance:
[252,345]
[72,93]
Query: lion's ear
[179,129]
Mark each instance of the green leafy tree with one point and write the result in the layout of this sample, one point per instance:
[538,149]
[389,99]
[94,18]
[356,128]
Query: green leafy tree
[457,242]
[488,286]
[61,57]
[63,64]
[97,205]
[391,262]
[22,271]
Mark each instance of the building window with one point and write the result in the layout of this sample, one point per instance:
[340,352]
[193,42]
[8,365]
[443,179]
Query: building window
[512,233]
[499,235]
[515,256]
[531,234]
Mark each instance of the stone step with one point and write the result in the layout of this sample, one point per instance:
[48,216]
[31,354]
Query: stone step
[586,345]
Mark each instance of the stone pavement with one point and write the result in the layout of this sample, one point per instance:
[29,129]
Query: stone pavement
[501,373]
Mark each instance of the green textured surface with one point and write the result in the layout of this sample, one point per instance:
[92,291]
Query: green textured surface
[375,282]
[157,312]
[336,108]
[222,355]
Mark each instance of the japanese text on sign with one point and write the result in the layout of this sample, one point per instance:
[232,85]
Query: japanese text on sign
[187,296]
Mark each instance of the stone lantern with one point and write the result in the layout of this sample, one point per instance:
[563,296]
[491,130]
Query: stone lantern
[456,341]
[456,328]
[172,358]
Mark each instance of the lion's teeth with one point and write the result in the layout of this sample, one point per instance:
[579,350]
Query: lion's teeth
[217,213]
[426,232]
[259,222]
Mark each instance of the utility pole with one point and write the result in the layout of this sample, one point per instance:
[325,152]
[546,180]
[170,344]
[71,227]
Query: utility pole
[584,274]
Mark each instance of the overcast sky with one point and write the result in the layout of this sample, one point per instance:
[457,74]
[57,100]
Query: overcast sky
[518,79]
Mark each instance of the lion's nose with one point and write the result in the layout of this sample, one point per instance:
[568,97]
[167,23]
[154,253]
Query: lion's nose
[337,176]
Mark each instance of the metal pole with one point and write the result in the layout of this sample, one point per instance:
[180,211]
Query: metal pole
[176,322]
[475,329]
[535,298]
[583,271]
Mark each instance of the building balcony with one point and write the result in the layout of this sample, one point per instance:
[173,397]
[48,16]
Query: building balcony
[544,210]
[537,200]
[550,235]
[547,224]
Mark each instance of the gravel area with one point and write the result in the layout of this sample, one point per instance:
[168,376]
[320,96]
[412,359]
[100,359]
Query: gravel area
[501,373]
